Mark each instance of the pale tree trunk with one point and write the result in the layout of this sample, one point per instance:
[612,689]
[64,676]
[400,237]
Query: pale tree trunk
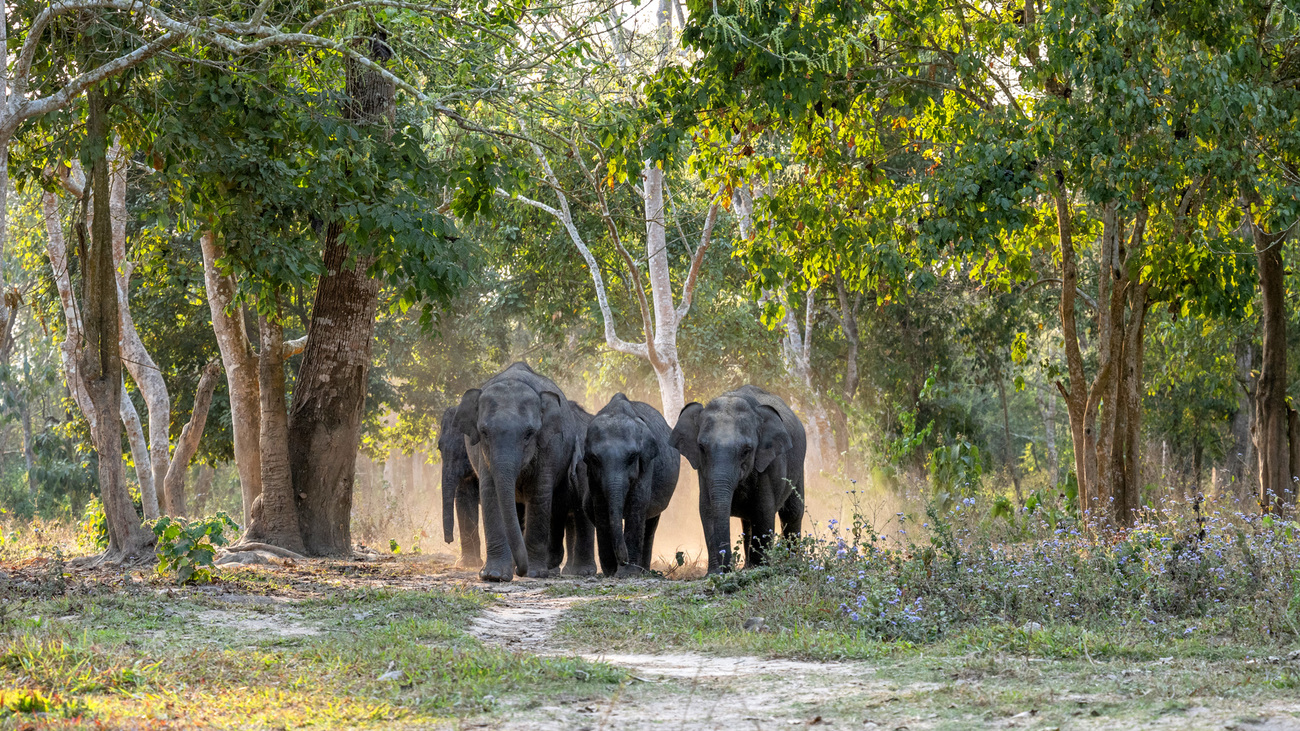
[188,442]
[139,455]
[101,362]
[660,324]
[1277,474]
[29,454]
[135,356]
[241,365]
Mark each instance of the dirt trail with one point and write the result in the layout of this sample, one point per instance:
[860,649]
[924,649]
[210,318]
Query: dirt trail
[673,691]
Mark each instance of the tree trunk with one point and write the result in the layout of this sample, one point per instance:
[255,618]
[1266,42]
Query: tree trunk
[1239,475]
[29,454]
[139,363]
[203,489]
[139,455]
[1076,395]
[1006,446]
[1272,442]
[275,512]
[330,392]
[101,364]
[241,366]
[188,442]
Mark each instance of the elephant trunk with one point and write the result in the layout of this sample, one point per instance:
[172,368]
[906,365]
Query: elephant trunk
[615,499]
[505,476]
[721,486]
[449,486]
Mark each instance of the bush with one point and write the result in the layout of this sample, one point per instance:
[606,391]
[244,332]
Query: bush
[1173,575]
[92,530]
[186,548]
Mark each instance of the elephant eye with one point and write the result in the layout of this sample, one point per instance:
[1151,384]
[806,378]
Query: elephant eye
[529,432]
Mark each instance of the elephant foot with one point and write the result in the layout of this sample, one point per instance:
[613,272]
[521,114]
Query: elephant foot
[497,571]
[628,570]
[580,569]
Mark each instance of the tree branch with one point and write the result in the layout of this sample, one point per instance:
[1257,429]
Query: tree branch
[692,278]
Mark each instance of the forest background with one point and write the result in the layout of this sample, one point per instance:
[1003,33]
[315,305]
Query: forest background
[1036,251]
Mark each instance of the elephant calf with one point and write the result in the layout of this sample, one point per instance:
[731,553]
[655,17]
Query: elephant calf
[629,470]
[748,447]
[459,491]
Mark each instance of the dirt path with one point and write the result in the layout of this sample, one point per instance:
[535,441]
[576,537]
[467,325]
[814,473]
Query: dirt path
[685,691]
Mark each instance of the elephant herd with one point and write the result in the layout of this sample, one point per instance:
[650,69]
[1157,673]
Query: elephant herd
[557,485]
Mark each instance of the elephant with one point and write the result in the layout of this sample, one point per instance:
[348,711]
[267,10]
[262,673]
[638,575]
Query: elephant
[521,434]
[459,491]
[629,472]
[572,534]
[748,448]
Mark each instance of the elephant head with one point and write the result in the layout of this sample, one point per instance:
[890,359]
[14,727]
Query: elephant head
[619,455]
[729,440]
[509,423]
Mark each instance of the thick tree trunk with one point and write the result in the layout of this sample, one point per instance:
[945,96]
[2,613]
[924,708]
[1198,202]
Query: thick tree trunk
[330,392]
[241,366]
[275,512]
[188,442]
[101,364]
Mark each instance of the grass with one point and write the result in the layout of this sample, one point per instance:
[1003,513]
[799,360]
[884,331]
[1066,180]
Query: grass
[137,652]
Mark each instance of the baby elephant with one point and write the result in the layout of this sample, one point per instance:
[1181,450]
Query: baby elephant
[629,469]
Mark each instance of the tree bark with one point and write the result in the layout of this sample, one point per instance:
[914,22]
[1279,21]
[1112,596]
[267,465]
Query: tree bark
[1239,475]
[1046,399]
[1272,442]
[139,455]
[241,365]
[1076,394]
[101,364]
[275,512]
[135,356]
[188,442]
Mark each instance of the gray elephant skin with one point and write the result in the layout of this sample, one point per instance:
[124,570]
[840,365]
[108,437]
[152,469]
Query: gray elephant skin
[459,491]
[629,472]
[748,448]
[521,434]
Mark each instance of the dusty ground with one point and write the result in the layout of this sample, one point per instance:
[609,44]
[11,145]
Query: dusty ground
[312,608]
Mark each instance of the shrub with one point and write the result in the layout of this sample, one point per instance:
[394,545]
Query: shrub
[186,548]
[1173,574]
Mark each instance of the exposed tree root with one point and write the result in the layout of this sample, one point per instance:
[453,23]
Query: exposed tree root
[255,546]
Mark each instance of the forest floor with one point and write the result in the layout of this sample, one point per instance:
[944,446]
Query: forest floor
[411,642]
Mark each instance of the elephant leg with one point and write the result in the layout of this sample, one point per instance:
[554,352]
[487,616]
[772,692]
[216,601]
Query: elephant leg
[500,563]
[537,531]
[792,516]
[633,537]
[467,506]
[648,541]
[763,527]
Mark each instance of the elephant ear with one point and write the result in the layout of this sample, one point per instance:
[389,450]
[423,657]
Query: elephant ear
[467,415]
[773,439]
[552,411]
[686,435]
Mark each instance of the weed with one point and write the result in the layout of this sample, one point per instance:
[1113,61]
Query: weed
[186,548]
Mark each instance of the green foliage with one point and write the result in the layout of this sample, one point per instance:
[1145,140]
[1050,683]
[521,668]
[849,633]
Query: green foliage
[92,530]
[955,471]
[186,548]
